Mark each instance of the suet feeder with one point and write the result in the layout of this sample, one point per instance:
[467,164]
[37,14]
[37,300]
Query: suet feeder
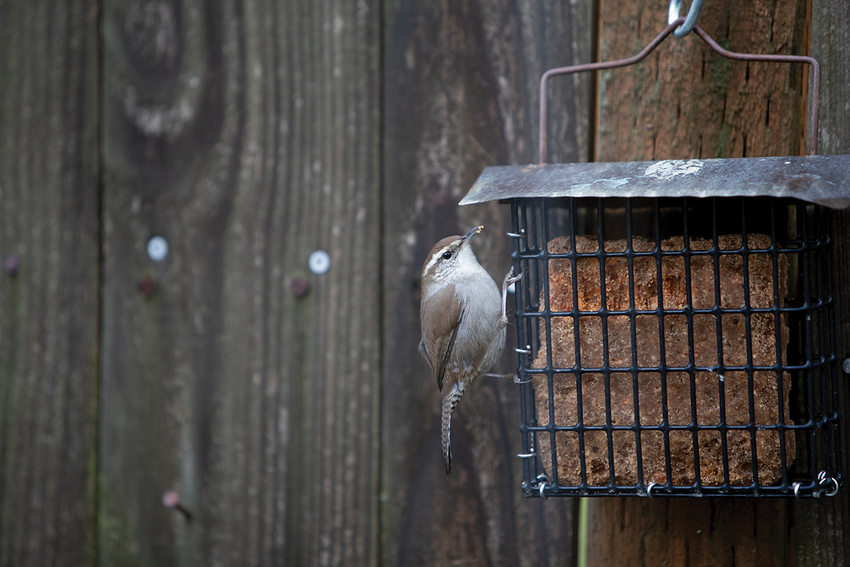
[675,323]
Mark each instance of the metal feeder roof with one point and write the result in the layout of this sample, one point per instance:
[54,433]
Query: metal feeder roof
[823,180]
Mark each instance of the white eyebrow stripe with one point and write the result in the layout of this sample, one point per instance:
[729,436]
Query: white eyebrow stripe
[433,260]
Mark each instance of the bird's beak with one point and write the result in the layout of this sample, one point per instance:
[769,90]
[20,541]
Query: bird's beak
[471,232]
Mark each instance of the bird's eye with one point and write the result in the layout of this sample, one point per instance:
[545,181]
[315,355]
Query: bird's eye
[447,254]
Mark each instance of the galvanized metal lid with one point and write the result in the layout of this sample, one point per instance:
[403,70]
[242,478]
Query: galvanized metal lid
[824,180]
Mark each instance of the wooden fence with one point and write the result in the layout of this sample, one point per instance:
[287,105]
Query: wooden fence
[290,410]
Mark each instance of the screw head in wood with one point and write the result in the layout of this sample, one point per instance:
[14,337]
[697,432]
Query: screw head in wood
[320,262]
[157,248]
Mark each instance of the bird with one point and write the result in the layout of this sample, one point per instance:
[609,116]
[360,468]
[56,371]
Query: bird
[463,321]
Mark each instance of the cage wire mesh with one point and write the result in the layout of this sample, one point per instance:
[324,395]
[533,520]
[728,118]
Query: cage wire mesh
[676,346]
[675,319]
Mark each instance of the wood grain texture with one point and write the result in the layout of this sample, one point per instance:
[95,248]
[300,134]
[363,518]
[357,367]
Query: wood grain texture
[460,93]
[675,532]
[830,45]
[685,100]
[821,534]
[48,309]
[247,136]
[689,102]
[303,429]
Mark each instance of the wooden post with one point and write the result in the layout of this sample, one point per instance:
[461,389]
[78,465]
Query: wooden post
[49,272]
[689,102]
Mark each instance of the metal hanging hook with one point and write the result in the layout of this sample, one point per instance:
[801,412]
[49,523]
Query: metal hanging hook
[690,20]
[671,28]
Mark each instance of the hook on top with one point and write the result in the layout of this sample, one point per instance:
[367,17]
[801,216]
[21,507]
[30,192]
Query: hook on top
[690,20]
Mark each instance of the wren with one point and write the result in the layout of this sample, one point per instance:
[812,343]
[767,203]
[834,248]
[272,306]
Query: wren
[463,322]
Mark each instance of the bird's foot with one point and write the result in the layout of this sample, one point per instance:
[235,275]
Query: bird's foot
[510,278]
[510,375]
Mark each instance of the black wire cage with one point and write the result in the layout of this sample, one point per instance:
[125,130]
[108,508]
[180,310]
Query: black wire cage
[676,346]
[675,319]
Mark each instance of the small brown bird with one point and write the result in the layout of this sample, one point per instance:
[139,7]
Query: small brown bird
[463,322]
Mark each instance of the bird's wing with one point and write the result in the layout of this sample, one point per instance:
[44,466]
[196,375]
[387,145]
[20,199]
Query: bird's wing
[441,315]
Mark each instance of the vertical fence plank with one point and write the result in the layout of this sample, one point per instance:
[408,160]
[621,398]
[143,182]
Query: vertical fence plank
[460,93]
[689,102]
[246,135]
[822,538]
[48,282]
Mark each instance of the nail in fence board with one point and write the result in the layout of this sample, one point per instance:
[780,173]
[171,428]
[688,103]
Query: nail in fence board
[247,136]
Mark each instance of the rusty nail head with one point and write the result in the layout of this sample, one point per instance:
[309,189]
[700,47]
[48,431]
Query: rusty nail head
[146,286]
[171,500]
[11,264]
[300,287]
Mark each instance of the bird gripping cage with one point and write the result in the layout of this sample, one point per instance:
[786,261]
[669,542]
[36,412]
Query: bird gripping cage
[675,319]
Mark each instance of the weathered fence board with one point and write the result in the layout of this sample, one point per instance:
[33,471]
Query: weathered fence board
[821,535]
[247,136]
[460,93]
[49,303]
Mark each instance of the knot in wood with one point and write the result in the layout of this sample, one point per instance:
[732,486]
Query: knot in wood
[151,30]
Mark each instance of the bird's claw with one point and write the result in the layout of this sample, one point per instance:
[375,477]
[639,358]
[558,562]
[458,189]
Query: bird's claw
[510,277]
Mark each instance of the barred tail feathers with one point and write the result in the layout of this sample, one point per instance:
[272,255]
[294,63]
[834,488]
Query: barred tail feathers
[450,401]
